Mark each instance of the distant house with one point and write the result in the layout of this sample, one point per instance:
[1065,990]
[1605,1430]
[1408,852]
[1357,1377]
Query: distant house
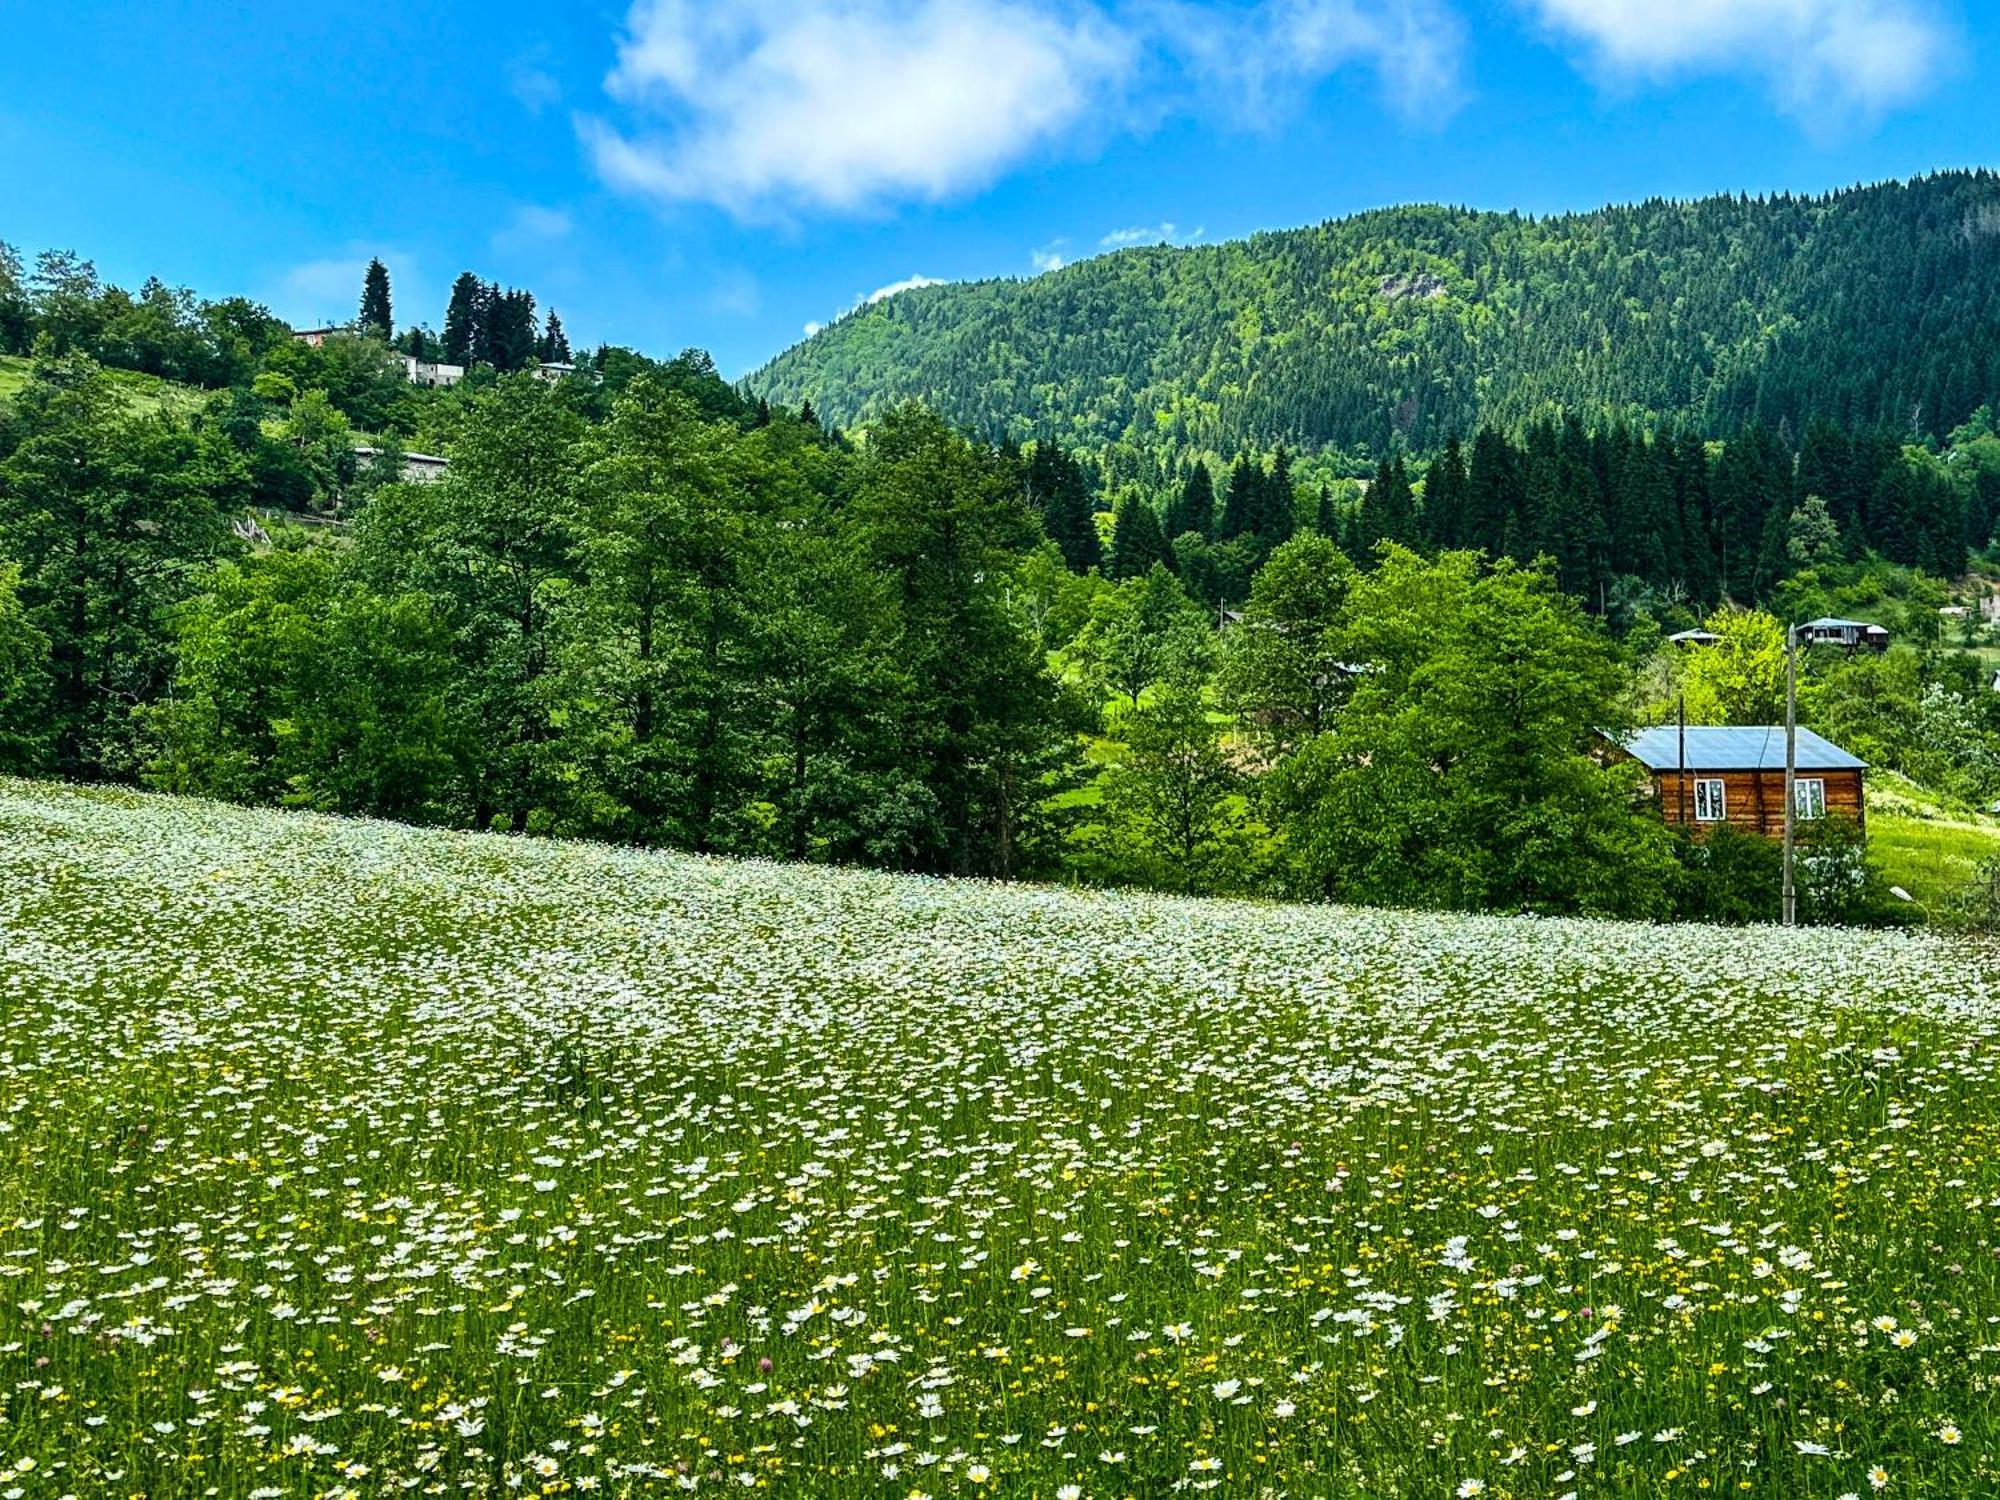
[551,369]
[431,371]
[1737,776]
[315,336]
[1693,638]
[1849,635]
[418,468]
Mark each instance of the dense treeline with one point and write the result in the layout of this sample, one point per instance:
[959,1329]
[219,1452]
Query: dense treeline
[1631,521]
[620,616]
[652,627]
[1876,309]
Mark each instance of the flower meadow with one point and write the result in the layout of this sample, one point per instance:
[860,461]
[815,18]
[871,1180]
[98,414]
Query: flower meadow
[338,1158]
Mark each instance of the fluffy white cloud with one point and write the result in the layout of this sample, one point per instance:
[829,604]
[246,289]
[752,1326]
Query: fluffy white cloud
[839,104]
[1822,58]
[1048,257]
[772,107]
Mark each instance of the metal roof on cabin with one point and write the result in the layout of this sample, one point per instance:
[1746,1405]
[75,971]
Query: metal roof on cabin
[1758,747]
[1827,622]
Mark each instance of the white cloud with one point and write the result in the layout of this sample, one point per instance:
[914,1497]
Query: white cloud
[907,284]
[1048,257]
[773,107]
[839,104]
[1164,233]
[1261,58]
[813,328]
[1823,59]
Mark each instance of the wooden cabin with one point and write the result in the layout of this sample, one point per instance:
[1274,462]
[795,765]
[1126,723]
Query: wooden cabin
[1736,775]
[1848,635]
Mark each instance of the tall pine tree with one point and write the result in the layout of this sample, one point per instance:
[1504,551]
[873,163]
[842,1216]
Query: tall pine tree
[1193,508]
[1276,516]
[1239,509]
[1136,541]
[464,319]
[377,320]
[554,348]
[1060,490]
[1444,499]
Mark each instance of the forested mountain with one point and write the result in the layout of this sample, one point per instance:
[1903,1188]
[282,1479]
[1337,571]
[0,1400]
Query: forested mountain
[1874,309]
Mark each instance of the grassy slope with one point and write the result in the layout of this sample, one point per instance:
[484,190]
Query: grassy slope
[1928,849]
[144,393]
[330,1147]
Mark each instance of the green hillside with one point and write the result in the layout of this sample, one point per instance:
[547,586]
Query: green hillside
[144,393]
[346,1158]
[1878,306]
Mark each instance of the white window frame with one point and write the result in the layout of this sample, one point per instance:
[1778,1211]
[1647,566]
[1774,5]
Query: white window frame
[1809,798]
[1717,800]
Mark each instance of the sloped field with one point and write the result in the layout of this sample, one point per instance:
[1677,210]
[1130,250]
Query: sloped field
[343,1158]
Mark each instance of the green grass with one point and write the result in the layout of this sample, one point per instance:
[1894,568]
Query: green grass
[338,1158]
[1932,859]
[144,394]
[1928,846]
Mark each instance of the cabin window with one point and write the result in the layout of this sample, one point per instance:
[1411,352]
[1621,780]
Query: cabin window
[1708,800]
[1809,798]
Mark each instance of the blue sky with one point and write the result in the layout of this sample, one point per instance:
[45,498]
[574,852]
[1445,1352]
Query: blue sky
[725,174]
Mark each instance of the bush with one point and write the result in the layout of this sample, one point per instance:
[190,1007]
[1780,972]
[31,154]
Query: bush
[1735,877]
[1731,877]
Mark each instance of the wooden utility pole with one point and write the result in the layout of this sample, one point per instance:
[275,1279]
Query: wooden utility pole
[1791,769]
[1681,716]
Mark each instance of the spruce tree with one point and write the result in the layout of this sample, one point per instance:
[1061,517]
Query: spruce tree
[1688,458]
[554,348]
[463,318]
[1136,542]
[1193,508]
[1059,488]
[1444,499]
[509,329]
[377,320]
[1493,495]
[1239,509]
[1388,509]
[1276,515]
[1653,511]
